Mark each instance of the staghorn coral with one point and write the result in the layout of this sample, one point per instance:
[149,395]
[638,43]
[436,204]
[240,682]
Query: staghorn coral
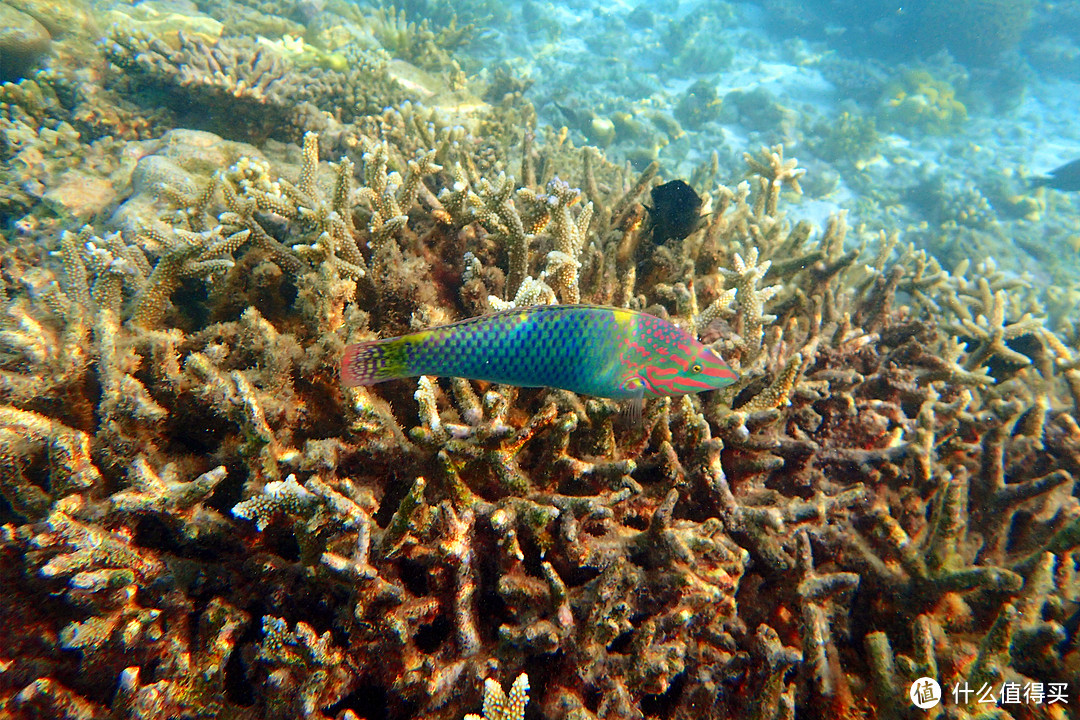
[198,515]
[504,706]
[442,12]
[308,673]
[418,42]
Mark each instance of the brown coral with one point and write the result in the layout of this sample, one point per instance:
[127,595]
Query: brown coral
[199,516]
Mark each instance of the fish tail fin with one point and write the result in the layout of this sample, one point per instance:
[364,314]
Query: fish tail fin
[376,361]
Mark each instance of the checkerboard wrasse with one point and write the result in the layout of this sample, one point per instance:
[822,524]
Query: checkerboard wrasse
[589,349]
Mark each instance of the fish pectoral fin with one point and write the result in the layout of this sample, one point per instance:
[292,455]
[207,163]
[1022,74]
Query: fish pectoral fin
[634,407]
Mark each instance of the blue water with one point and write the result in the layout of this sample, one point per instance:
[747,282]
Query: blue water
[927,117]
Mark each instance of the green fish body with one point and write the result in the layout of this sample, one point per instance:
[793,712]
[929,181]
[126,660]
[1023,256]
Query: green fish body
[589,349]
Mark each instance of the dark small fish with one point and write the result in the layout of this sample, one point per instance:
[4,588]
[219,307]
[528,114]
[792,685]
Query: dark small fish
[676,211]
[1066,177]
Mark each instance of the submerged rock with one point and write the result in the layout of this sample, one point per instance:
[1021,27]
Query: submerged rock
[61,18]
[163,21]
[182,160]
[23,40]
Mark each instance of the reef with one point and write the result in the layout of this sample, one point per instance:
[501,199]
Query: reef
[849,137]
[198,520]
[245,90]
[918,101]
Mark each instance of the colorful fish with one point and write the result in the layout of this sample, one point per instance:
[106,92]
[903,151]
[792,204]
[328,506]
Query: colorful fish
[593,350]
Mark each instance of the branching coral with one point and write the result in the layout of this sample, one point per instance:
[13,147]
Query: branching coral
[308,674]
[887,492]
[418,43]
[252,85]
[504,706]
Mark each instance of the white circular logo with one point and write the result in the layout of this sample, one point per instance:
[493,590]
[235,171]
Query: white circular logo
[925,693]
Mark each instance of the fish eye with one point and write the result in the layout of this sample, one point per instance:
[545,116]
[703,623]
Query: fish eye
[696,367]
